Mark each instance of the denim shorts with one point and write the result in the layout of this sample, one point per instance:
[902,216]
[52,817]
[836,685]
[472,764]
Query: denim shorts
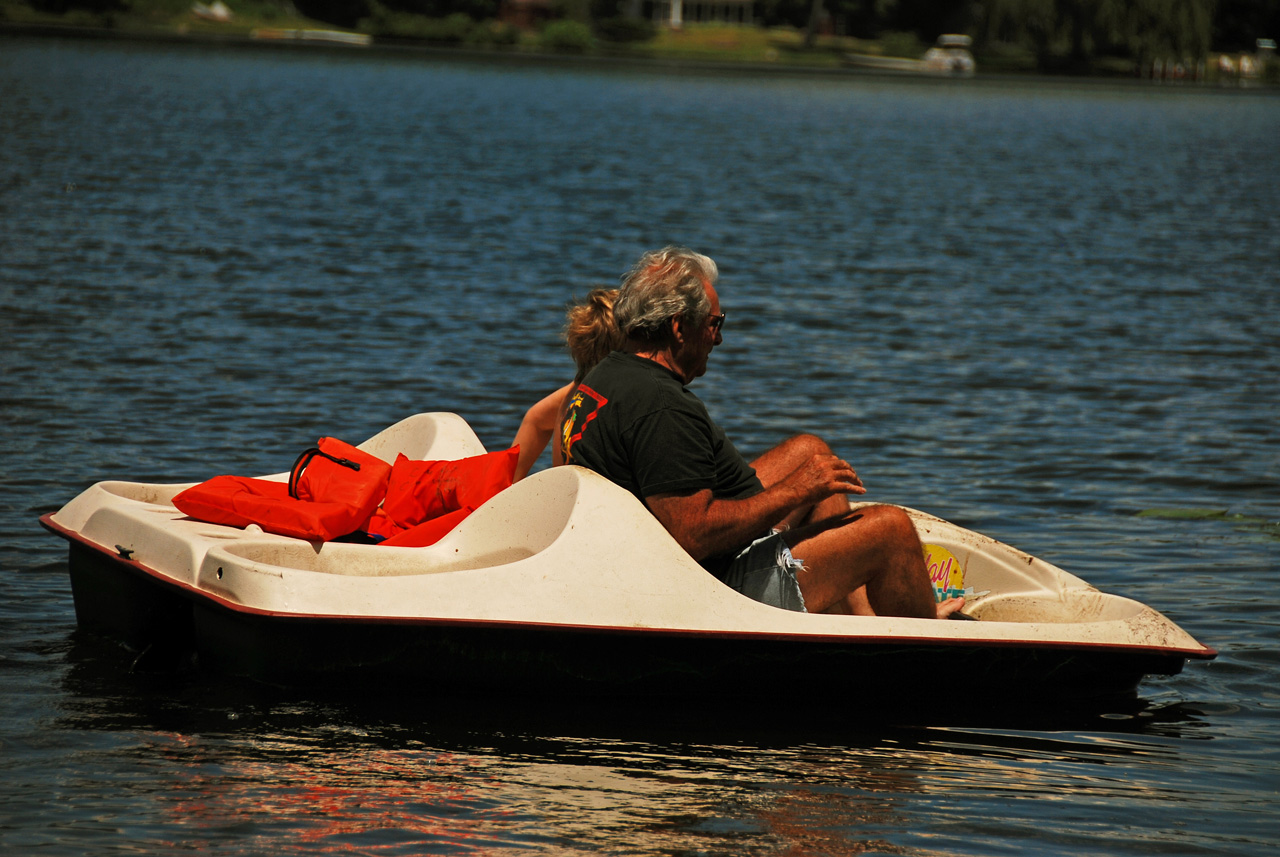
[766,572]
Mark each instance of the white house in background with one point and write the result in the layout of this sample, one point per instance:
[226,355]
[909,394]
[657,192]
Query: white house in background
[674,13]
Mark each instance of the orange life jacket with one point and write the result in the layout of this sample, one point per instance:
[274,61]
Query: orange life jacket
[335,489]
[329,494]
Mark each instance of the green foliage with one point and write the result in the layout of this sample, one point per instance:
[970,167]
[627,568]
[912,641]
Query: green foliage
[1239,23]
[452,29]
[1005,57]
[385,22]
[926,18]
[567,37]
[902,45]
[573,10]
[494,33]
[60,7]
[788,13]
[1060,34]
[340,13]
[477,10]
[455,29]
[1076,31]
[620,29]
[161,12]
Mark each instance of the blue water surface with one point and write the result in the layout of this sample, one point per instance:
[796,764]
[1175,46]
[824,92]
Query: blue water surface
[1048,313]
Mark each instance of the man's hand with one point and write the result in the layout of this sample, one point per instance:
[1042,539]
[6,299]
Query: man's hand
[705,526]
[823,476]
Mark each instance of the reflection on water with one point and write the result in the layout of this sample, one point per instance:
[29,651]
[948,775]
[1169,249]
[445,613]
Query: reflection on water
[418,770]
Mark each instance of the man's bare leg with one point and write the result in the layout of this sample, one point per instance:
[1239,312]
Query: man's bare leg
[778,463]
[856,604]
[875,547]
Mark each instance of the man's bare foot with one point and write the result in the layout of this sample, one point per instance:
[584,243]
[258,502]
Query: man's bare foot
[951,605]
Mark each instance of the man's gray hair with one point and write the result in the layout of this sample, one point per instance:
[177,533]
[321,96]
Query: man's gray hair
[664,284]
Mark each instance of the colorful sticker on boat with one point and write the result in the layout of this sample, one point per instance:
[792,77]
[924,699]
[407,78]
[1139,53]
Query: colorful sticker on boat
[945,571]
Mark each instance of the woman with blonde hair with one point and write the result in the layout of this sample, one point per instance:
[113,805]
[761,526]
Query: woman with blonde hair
[590,333]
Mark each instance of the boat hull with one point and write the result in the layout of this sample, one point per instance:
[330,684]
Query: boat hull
[648,664]
[122,599]
[126,602]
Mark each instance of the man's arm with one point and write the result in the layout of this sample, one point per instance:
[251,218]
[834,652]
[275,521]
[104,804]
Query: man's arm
[705,526]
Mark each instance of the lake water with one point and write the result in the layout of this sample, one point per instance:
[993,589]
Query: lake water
[1049,314]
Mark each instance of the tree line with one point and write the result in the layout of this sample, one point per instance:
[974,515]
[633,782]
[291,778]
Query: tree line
[1060,33]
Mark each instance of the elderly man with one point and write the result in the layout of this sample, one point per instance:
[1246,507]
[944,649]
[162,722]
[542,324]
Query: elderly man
[779,529]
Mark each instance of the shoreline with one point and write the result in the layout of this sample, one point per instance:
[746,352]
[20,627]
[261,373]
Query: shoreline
[619,61]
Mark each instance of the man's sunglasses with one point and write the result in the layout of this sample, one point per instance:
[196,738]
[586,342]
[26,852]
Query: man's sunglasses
[716,322]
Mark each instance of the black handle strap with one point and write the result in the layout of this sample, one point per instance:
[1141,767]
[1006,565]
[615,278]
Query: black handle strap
[295,472]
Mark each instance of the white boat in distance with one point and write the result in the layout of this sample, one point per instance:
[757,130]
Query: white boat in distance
[950,57]
[565,583]
[337,37]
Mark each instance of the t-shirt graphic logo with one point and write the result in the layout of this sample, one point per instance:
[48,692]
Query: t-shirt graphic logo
[583,408]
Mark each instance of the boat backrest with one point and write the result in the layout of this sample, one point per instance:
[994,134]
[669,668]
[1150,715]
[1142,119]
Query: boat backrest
[531,515]
[423,437]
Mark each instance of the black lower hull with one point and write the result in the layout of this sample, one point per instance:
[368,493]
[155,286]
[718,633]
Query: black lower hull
[120,600]
[538,659]
[123,600]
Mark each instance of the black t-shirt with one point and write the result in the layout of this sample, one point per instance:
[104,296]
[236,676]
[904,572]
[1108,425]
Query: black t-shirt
[634,422]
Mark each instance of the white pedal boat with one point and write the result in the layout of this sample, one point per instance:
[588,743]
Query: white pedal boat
[565,583]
